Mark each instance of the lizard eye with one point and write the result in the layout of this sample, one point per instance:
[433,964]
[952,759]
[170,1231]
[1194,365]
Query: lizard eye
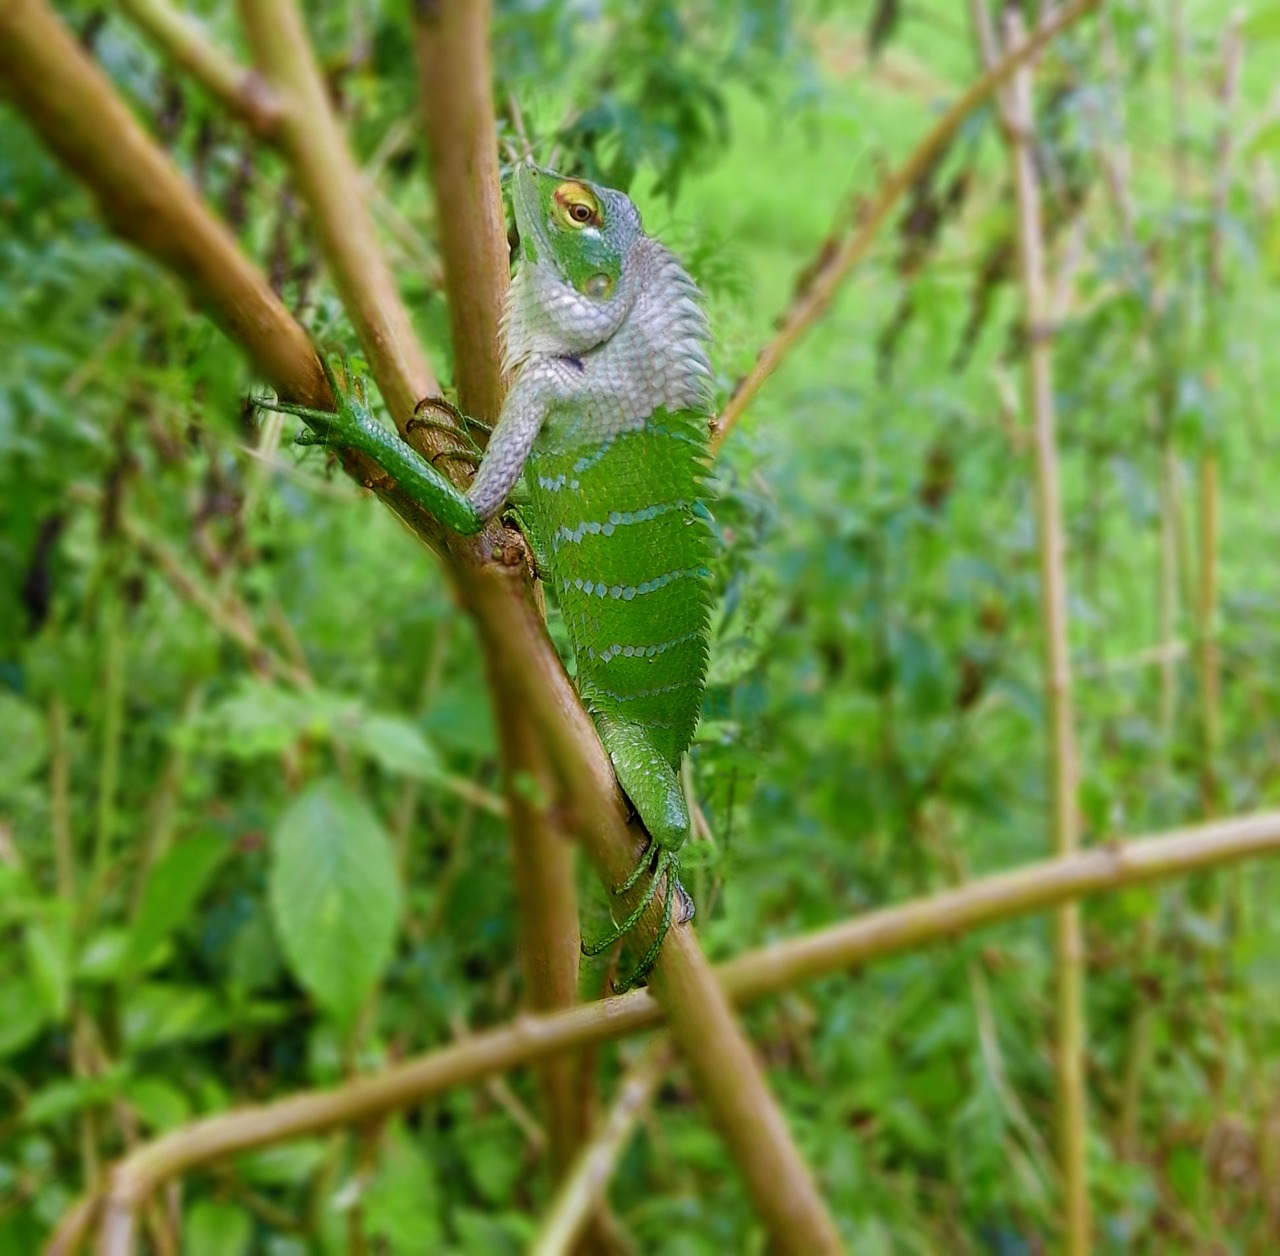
[576,205]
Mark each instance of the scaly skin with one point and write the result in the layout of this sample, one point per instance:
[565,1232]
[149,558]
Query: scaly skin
[608,413]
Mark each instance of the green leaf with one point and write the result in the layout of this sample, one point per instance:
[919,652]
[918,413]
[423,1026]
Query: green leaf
[173,889]
[160,1103]
[158,1014]
[397,745]
[335,896]
[21,1015]
[49,960]
[1265,139]
[402,1205]
[64,1098]
[216,1229]
[289,1164]
[23,745]
[1262,24]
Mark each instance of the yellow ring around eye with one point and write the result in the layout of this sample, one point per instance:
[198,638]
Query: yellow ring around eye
[576,206]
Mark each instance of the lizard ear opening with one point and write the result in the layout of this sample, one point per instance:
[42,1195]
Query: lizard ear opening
[599,286]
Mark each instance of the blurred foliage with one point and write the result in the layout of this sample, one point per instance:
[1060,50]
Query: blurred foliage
[247,840]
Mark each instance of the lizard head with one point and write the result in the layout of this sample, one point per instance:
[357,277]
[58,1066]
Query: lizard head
[575,237]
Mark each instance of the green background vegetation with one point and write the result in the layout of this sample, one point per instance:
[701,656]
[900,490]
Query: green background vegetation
[242,694]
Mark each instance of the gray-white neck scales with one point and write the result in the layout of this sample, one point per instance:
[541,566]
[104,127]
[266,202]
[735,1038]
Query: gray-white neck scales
[585,369]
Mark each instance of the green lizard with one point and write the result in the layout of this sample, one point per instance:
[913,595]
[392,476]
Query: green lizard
[607,418]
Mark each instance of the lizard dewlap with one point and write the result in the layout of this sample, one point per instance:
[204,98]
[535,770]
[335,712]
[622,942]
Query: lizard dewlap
[607,418]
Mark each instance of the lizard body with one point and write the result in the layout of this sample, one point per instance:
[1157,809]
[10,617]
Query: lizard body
[607,418]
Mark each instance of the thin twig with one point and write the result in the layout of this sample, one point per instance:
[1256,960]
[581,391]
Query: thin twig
[817,296]
[240,91]
[584,1185]
[851,944]
[1017,111]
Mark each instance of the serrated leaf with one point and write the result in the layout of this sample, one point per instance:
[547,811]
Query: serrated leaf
[173,889]
[335,896]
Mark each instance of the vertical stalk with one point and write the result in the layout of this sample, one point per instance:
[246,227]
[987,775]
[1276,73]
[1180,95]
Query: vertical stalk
[113,685]
[452,41]
[1207,660]
[1063,771]
[60,801]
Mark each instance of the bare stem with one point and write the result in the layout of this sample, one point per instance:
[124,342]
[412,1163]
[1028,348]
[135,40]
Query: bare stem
[817,295]
[1060,733]
[1208,662]
[452,40]
[240,91]
[851,944]
[584,1186]
[329,181]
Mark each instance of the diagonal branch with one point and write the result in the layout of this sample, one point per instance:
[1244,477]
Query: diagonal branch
[820,291]
[240,91]
[942,917]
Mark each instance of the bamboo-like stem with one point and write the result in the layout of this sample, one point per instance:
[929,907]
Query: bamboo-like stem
[80,117]
[1208,664]
[329,182]
[584,1186]
[817,295]
[1062,766]
[113,698]
[143,198]
[890,931]
[240,91]
[452,41]
[60,801]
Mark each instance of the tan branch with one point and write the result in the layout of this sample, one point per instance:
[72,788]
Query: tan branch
[832,272]
[329,181]
[583,1188]
[143,198]
[239,90]
[452,41]
[1063,769]
[877,935]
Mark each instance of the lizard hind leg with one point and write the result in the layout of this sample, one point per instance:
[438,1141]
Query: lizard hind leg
[654,790]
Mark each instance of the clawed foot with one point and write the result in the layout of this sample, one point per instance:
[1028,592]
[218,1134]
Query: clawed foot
[456,427]
[665,866]
[339,428]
